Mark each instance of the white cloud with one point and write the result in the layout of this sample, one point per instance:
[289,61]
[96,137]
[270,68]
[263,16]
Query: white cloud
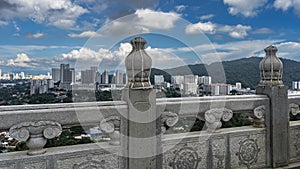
[287,4]
[85,57]
[156,19]
[205,17]
[59,13]
[142,21]
[180,8]
[289,50]
[3,23]
[238,31]
[214,52]
[35,36]
[206,27]
[247,8]
[114,59]
[31,47]
[16,26]
[163,59]
[86,34]
[22,60]
[263,31]
[283,4]
[85,54]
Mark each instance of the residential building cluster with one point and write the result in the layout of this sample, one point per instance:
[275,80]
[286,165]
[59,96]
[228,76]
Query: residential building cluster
[92,76]
[196,85]
[65,78]
[22,76]
[39,86]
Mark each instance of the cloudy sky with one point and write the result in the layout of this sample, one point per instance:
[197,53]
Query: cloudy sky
[38,35]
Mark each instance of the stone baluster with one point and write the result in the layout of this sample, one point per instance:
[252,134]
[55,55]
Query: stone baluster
[294,109]
[111,126]
[35,134]
[277,120]
[259,116]
[169,119]
[213,118]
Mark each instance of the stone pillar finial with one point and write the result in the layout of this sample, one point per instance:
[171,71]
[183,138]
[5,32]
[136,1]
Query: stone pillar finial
[271,68]
[138,65]
[276,113]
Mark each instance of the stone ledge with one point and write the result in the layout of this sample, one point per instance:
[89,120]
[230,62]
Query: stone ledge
[220,132]
[61,151]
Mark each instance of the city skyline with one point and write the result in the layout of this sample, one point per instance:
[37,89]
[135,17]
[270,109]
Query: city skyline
[38,35]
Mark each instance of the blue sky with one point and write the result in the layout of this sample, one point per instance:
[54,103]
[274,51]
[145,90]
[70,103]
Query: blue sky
[39,35]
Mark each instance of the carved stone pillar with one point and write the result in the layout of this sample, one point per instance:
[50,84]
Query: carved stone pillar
[141,127]
[277,120]
[35,134]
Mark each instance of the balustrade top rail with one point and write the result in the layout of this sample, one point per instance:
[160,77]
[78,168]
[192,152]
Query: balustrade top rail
[68,114]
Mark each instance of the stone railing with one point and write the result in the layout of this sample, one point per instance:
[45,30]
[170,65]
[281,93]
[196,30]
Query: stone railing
[36,123]
[239,147]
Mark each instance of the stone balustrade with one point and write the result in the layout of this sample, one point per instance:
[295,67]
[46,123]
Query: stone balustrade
[46,121]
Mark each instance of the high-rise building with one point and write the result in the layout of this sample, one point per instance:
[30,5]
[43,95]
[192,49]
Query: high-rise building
[98,77]
[190,88]
[0,73]
[104,77]
[158,79]
[220,89]
[89,76]
[39,86]
[119,77]
[215,89]
[64,69]
[177,79]
[67,74]
[125,79]
[190,79]
[22,75]
[205,80]
[55,74]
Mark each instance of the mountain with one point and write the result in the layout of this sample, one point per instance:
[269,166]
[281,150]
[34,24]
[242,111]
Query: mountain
[245,70]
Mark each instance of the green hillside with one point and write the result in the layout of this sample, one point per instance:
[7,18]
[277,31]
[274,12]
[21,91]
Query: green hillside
[245,70]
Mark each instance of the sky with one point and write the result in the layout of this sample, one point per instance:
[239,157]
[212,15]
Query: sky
[36,36]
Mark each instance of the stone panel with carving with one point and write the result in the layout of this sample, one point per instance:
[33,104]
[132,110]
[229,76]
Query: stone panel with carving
[247,151]
[218,146]
[101,161]
[35,165]
[295,145]
[189,155]
[7,166]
